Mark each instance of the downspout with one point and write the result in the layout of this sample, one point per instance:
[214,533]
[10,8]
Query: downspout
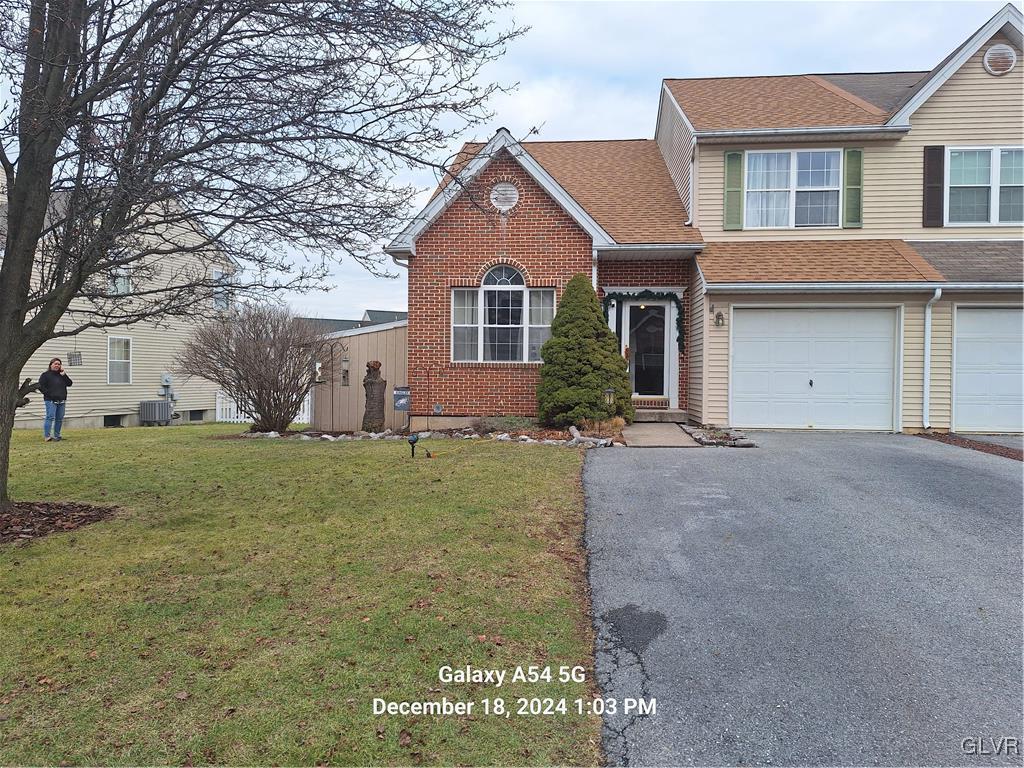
[927,399]
[691,205]
[399,263]
[593,268]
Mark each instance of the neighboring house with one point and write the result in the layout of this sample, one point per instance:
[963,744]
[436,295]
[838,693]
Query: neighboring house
[370,317]
[114,369]
[375,316]
[840,251]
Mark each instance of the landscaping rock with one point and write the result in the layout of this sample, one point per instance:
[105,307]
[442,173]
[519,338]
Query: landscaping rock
[423,435]
[328,438]
[504,437]
[272,435]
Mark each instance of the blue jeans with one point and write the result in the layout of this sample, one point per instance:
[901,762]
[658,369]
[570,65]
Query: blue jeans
[54,417]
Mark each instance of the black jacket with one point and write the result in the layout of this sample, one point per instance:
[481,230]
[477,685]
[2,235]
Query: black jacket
[54,386]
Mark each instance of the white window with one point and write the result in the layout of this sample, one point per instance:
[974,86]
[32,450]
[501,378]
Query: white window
[798,188]
[119,360]
[221,296]
[502,320]
[984,185]
[121,281]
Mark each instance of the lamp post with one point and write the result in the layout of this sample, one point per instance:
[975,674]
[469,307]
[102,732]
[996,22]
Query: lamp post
[609,400]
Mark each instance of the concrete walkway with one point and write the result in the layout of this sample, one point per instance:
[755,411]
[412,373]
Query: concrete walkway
[655,435]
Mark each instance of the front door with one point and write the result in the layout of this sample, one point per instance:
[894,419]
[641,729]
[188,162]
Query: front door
[644,332]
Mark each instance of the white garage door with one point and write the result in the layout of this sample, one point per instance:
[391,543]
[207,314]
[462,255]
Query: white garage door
[813,368]
[987,383]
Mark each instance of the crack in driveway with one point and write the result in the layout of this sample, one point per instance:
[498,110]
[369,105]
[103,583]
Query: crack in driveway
[623,635]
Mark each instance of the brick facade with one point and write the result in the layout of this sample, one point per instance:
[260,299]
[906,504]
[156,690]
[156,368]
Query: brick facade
[653,273]
[540,240]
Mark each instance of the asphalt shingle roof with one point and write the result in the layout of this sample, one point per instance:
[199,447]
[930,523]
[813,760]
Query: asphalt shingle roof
[815,261]
[792,101]
[975,261]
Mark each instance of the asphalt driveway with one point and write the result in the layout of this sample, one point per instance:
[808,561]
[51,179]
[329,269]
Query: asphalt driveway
[825,599]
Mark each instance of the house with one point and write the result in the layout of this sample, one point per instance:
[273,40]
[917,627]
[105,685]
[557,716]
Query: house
[114,369]
[820,251]
[370,317]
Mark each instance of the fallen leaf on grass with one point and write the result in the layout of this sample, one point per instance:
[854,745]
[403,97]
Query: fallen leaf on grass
[404,739]
[181,695]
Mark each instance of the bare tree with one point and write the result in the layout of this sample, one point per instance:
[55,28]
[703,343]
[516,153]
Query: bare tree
[267,359]
[264,133]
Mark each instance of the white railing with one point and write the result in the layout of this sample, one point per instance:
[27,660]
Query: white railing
[227,410]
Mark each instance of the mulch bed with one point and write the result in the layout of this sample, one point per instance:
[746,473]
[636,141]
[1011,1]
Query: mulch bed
[977,445]
[27,520]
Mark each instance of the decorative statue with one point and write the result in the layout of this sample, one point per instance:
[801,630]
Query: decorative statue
[374,386]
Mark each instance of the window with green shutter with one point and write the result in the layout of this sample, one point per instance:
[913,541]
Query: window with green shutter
[853,188]
[732,218]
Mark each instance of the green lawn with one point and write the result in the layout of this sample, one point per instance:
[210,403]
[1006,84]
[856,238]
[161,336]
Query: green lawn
[254,596]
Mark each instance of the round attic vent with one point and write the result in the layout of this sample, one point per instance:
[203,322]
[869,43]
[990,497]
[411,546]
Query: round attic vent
[999,59]
[504,196]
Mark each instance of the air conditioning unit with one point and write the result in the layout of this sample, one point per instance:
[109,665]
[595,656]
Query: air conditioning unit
[155,412]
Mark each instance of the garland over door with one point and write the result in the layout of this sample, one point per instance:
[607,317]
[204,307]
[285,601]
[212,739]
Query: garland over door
[817,368]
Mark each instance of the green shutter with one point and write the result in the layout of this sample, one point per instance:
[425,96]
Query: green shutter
[732,217]
[853,189]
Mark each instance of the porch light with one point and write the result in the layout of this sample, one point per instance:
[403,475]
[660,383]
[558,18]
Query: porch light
[719,319]
[609,397]
[643,306]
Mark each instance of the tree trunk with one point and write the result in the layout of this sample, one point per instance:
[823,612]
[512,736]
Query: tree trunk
[8,402]
[374,386]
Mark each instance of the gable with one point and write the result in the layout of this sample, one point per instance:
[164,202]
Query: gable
[989,107]
[1008,22]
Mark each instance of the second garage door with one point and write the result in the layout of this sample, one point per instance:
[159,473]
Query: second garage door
[813,368]
[989,370]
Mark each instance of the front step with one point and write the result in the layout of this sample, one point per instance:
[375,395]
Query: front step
[672,415]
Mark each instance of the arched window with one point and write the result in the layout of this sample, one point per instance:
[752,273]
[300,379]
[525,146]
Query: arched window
[502,320]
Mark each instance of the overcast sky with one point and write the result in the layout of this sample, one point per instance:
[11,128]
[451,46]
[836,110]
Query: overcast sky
[592,70]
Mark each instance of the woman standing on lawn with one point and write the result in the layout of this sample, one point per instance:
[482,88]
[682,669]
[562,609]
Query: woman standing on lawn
[54,385]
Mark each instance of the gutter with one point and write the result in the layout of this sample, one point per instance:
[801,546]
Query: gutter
[856,287]
[651,247]
[927,393]
[830,130]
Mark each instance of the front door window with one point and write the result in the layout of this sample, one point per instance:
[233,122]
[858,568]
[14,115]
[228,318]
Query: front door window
[647,348]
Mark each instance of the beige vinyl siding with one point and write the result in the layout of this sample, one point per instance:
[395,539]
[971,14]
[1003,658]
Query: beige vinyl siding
[154,350]
[698,321]
[153,353]
[716,394]
[971,108]
[674,140]
[339,408]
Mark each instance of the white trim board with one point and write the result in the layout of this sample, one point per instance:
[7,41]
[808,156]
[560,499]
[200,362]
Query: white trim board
[368,329]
